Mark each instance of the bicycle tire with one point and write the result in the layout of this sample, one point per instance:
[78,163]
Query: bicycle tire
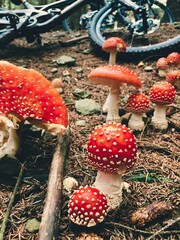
[132,53]
[9,33]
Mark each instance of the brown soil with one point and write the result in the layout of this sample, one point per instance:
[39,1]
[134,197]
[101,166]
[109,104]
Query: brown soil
[154,178]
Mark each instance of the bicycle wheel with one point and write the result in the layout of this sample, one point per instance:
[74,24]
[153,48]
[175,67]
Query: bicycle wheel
[115,20]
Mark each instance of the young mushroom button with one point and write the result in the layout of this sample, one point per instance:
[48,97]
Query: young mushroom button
[137,104]
[161,94]
[113,76]
[87,206]
[112,151]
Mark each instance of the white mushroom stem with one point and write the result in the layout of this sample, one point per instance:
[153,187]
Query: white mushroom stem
[111,185]
[136,121]
[9,139]
[159,120]
[113,103]
[112,56]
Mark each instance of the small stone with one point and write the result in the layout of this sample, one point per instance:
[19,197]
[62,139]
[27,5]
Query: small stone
[32,225]
[81,123]
[65,60]
[140,64]
[54,70]
[87,106]
[79,70]
[9,166]
[148,69]
[81,93]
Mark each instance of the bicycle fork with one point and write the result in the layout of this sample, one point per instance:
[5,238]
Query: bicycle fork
[140,14]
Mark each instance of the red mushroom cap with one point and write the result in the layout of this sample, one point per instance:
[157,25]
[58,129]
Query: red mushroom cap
[173,58]
[138,102]
[162,63]
[114,43]
[29,95]
[87,206]
[105,74]
[173,76]
[162,93]
[112,146]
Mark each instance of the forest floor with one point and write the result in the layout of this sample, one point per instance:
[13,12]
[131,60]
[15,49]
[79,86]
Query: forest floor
[154,178]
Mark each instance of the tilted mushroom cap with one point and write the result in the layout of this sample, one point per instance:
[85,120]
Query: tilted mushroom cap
[162,93]
[138,102]
[114,43]
[29,95]
[105,74]
[112,146]
[87,206]
[173,58]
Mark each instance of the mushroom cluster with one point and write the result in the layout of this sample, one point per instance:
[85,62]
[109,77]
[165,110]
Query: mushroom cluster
[167,64]
[112,151]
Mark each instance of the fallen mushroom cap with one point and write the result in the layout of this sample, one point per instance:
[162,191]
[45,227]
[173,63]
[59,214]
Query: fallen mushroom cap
[138,102]
[114,43]
[87,206]
[112,146]
[162,93]
[103,75]
[29,95]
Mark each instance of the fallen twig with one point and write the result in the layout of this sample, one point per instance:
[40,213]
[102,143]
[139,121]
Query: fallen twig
[11,201]
[51,212]
[143,144]
[75,40]
[160,231]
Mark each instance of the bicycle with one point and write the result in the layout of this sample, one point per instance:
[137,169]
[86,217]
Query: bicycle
[141,24]
[33,20]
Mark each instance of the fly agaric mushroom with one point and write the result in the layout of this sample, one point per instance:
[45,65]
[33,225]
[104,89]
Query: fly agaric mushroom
[29,95]
[87,206]
[162,66]
[162,94]
[113,76]
[173,77]
[112,151]
[112,45]
[173,59]
[138,103]
[25,94]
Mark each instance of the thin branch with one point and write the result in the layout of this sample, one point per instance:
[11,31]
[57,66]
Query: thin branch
[50,217]
[160,231]
[11,201]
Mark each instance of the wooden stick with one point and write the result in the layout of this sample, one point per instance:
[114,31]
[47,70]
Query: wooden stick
[50,217]
[11,201]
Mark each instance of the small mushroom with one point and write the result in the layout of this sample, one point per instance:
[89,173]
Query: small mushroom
[173,77]
[87,206]
[112,45]
[113,76]
[173,60]
[137,104]
[112,151]
[162,67]
[162,94]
